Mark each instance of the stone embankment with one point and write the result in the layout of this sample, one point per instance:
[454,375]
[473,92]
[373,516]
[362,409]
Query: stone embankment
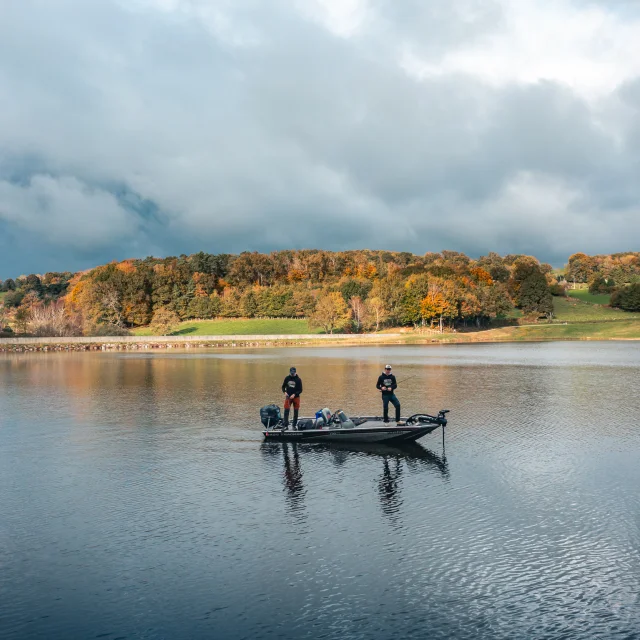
[136,343]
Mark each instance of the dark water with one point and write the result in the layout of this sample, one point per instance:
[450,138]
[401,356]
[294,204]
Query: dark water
[137,500]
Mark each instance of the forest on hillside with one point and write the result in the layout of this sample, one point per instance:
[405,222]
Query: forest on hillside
[337,291]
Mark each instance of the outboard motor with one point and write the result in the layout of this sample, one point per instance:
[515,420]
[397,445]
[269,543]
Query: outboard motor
[270,415]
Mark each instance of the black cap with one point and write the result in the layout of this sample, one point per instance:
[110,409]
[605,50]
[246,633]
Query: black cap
[292,370]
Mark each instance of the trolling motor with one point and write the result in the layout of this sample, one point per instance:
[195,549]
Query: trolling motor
[425,418]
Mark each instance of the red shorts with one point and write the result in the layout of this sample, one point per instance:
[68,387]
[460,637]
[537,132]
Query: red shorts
[295,402]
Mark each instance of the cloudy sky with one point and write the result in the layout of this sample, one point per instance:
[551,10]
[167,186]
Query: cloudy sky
[157,127]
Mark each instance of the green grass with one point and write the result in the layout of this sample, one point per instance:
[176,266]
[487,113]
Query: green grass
[585,296]
[620,330]
[2,295]
[254,326]
[575,310]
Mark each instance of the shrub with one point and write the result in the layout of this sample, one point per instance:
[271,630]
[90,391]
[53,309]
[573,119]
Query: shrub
[627,298]
[103,330]
[600,284]
[558,289]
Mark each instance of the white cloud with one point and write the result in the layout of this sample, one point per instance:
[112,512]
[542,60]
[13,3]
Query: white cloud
[344,18]
[585,47]
[252,124]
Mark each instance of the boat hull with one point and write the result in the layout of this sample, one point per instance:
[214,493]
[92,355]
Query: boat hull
[362,433]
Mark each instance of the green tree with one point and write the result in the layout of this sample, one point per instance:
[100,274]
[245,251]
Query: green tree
[21,319]
[13,299]
[249,304]
[627,298]
[535,296]
[494,301]
[355,288]
[201,308]
[416,289]
[600,284]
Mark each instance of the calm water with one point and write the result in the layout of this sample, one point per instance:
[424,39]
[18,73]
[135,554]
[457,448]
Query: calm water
[137,500]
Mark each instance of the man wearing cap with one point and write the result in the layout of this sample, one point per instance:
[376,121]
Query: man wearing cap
[292,388]
[387,385]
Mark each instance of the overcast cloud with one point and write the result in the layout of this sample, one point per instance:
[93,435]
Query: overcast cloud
[157,127]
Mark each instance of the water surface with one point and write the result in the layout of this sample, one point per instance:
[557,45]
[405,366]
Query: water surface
[138,500]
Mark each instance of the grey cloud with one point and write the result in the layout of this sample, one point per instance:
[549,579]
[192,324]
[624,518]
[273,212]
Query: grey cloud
[252,127]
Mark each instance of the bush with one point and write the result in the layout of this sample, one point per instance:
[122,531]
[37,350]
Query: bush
[104,330]
[558,289]
[627,298]
[600,284]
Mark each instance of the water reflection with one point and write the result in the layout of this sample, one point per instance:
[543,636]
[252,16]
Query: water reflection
[141,478]
[389,489]
[411,457]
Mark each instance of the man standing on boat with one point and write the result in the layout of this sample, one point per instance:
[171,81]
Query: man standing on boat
[292,388]
[387,385]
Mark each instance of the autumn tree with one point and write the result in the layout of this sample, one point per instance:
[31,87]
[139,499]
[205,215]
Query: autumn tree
[580,267]
[358,312]
[165,321]
[377,313]
[331,312]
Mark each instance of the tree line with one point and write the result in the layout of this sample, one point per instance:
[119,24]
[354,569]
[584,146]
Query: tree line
[337,291]
[617,274]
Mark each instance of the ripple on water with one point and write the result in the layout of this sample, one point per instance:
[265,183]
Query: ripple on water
[138,500]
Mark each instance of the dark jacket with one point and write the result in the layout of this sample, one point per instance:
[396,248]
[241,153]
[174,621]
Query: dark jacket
[292,384]
[387,381]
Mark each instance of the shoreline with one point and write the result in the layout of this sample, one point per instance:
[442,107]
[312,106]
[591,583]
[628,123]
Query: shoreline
[622,330]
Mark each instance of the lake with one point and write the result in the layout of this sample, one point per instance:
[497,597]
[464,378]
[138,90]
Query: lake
[138,500]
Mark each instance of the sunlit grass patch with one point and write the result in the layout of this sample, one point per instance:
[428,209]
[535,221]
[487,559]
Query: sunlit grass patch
[585,296]
[575,310]
[251,326]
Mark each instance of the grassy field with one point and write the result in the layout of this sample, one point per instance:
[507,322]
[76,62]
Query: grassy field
[2,295]
[585,296]
[620,330]
[253,326]
[576,310]
[580,316]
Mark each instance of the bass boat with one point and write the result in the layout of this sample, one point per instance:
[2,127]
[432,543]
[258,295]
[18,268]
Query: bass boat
[326,427]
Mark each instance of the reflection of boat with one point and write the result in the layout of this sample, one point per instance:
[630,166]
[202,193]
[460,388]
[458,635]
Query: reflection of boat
[408,450]
[365,429]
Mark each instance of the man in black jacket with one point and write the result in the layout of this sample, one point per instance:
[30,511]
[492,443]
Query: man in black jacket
[292,388]
[387,385]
